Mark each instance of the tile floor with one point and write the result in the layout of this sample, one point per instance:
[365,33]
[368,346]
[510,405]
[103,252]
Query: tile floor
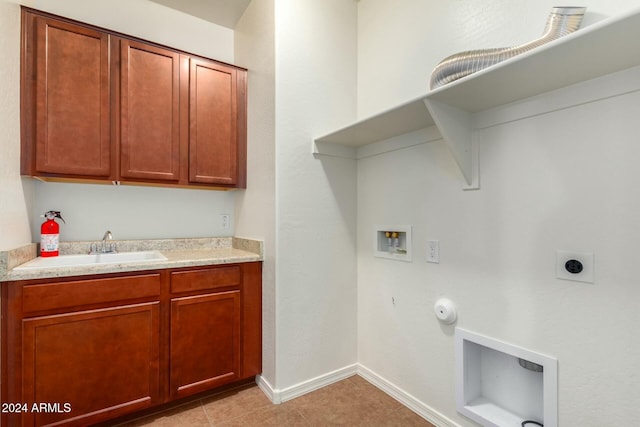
[350,402]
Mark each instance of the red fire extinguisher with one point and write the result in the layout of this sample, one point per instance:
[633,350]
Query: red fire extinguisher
[50,234]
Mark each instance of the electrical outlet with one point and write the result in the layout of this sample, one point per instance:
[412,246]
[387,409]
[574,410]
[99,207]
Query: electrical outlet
[433,251]
[224,221]
[576,266]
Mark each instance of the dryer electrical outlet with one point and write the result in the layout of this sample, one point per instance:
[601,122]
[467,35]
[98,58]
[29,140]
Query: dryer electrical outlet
[575,266]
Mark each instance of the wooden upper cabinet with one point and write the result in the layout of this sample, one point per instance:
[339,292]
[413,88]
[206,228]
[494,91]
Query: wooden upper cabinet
[213,116]
[98,105]
[69,115]
[149,112]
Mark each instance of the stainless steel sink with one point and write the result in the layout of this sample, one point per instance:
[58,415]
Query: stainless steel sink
[92,259]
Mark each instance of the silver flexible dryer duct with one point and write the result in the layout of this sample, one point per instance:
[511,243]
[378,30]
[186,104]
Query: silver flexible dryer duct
[561,21]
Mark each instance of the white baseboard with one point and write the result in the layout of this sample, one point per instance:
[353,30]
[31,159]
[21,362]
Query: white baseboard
[425,411]
[420,408]
[267,389]
[282,395]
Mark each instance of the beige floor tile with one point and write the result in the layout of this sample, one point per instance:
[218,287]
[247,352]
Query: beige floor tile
[191,415]
[351,402]
[403,417]
[231,405]
[275,415]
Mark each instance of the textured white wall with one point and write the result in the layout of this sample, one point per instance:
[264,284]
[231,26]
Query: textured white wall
[400,42]
[255,207]
[14,222]
[315,198]
[132,212]
[561,180]
[147,20]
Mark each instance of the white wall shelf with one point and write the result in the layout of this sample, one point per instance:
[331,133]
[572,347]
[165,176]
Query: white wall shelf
[603,48]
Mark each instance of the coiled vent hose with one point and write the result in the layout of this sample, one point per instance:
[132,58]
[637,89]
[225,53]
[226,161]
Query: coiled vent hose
[561,21]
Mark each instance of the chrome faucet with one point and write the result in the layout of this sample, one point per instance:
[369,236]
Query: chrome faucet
[104,247]
[107,236]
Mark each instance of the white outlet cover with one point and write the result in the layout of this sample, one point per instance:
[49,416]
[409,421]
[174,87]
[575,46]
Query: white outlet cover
[587,260]
[433,251]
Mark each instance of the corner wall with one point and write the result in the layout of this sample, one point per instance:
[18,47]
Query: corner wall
[553,180]
[255,207]
[316,51]
[14,220]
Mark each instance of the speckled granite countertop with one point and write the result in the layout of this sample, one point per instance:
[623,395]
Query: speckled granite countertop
[179,253]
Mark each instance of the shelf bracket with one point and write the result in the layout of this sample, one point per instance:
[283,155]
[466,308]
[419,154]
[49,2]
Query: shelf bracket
[456,127]
[321,148]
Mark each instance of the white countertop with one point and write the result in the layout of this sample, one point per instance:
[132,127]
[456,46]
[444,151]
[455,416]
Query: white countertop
[179,253]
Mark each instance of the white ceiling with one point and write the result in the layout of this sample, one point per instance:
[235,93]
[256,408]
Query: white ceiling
[221,12]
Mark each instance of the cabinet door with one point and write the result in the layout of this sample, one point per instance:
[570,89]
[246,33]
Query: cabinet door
[72,105]
[205,342]
[213,115]
[149,112]
[102,363]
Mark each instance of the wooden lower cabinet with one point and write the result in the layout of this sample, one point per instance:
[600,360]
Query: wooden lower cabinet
[87,350]
[205,342]
[91,363]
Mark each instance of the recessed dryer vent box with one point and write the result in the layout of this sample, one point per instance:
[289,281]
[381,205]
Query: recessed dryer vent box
[393,242]
[502,385]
